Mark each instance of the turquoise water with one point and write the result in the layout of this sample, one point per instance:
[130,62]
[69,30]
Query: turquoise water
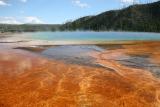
[93,36]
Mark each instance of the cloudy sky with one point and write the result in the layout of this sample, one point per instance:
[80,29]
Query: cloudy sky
[54,11]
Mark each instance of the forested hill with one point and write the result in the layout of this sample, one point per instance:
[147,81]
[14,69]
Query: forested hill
[28,27]
[140,17]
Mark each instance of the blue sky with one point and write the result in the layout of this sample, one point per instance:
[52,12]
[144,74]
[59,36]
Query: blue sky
[54,11]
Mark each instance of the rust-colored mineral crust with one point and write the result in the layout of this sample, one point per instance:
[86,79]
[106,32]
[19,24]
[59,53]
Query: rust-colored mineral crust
[28,80]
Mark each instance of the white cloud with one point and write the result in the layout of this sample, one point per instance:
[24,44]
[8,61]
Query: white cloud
[24,1]
[129,1]
[80,4]
[9,20]
[22,20]
[125,3]
[33,20]
[3,3]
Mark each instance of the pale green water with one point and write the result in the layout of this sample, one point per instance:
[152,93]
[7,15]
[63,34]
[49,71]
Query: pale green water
[93,36]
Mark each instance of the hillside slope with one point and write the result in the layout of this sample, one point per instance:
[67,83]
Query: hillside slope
[142,17]
[28,27]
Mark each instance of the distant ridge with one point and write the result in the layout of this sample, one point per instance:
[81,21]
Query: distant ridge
[28,27]
[139,17]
